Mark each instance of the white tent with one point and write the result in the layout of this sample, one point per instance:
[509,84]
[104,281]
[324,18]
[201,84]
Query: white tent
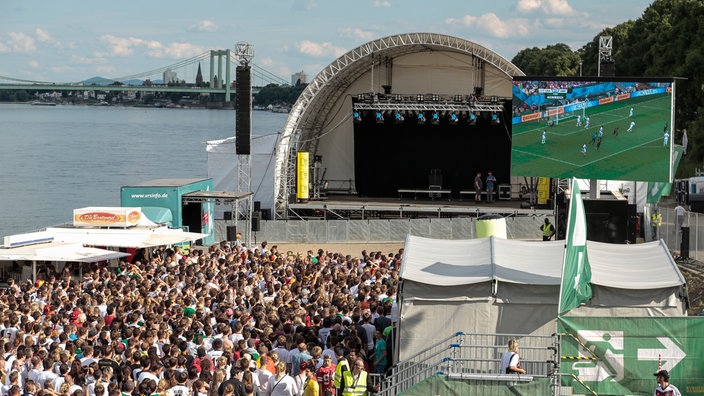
[55,252]
[133,237]
[495,285]
[58,251]
[222,168]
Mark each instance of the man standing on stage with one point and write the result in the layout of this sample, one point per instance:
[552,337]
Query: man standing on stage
[490,181]
[478,187]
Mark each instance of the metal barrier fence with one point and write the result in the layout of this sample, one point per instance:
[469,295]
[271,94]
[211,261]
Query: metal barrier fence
[671,234]
[476,357]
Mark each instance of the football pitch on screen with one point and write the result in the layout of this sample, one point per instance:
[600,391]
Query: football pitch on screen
[639,154]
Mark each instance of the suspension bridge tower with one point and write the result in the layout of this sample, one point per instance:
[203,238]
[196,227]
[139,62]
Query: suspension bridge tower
[244,53]
[222,82]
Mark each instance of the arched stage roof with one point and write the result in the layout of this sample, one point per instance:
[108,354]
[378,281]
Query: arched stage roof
[320,121]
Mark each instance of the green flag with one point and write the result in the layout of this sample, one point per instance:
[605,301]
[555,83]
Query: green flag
[575,287]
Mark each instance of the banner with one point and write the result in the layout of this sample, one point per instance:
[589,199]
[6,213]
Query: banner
[575,287]
[303,173]
[618,356]
[543,190]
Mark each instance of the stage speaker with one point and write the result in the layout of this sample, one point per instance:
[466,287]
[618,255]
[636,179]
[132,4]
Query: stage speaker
[243,112]
[256,222]
[231,233]
[504,191]
[266,214]
[684,245]
[257,206]
[227,215]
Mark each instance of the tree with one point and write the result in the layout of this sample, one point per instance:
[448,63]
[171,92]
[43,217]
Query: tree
[553,60]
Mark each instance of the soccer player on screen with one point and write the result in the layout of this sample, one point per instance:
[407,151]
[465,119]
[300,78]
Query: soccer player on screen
[584,149]
[586,122]
[579,120]
[542,140]
[630,128]
[630,113]
[665,138]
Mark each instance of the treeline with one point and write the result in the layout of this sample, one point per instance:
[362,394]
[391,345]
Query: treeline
[274,94]
[666,41]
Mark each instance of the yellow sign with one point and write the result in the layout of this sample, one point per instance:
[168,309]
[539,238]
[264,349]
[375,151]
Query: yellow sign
[543,190]
[303,178]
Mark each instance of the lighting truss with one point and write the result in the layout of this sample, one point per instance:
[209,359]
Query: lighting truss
[413,106]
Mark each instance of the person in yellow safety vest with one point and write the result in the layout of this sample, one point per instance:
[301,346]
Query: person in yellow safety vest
[547,229]
[356,382]
[343,365]
[655,223]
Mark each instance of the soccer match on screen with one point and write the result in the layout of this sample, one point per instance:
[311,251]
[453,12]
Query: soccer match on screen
[592,128]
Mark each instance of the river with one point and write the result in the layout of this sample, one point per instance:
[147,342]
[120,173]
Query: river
[56,159]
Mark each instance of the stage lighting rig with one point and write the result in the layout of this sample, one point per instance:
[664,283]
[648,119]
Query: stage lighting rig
[495,119]
[357,116]
[472,119]
[398,118]
[379,117]
[453,118]
[421,118]
[435,120]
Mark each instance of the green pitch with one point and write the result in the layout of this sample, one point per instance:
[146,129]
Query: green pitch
[637,155]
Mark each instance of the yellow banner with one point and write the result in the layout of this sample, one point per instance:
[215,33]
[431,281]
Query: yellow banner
[303,173]
[543,190]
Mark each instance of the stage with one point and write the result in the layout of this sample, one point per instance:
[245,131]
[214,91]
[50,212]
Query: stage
[420,206]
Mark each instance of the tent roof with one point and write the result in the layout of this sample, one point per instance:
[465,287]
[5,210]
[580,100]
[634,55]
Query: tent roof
[461,262]
[134,237]
[58,251]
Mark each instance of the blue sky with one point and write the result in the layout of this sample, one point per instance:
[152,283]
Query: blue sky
[72,40]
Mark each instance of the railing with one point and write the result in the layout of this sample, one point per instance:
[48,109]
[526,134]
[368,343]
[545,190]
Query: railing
[475,357]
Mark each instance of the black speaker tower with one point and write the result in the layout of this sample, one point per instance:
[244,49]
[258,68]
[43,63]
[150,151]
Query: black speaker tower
[243,110]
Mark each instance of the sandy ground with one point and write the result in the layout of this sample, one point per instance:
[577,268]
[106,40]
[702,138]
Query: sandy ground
[353,249]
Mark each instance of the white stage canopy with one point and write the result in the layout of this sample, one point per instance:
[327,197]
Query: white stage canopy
[58,251]
[134,237]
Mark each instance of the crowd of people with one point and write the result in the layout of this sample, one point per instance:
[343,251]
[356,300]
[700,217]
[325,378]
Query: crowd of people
[218,321]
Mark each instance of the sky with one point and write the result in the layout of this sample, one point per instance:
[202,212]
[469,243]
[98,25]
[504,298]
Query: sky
[73,40]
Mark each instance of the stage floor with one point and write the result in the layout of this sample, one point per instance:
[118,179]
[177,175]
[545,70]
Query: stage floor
[346,206]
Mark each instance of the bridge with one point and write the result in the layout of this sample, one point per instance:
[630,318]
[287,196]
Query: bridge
[154,80]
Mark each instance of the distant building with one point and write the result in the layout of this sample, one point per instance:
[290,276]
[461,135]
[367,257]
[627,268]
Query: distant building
[299,78]
[170,77]
[199,77]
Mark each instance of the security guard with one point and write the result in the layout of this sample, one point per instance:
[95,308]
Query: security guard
[356,382]
[342,367]
[655,223]
[547,229]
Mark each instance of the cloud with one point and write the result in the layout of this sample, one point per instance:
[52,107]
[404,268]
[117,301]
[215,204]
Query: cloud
[381,4]
[549,7]
[121,46]
[4,48]
[88,61]
[357,33]
[492,24]
[205,25]
[21,42]
[126,46]
[33,64]
[266,61]
[43,36]
[325,49]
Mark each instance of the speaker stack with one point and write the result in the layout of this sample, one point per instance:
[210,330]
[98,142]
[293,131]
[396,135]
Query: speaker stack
[243,111]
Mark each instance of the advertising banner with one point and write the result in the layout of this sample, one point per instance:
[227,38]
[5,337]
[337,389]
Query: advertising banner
[618,356]
[303,178]
[106,217]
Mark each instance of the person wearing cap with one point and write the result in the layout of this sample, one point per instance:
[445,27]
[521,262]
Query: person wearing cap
[665,388]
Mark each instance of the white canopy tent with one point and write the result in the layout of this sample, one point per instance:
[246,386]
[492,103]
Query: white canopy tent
[133,237]
[494,285]
[56,252]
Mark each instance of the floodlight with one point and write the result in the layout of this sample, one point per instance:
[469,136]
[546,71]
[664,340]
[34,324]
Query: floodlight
[357,117]
[398,117]
[495,118]
[453,118]
[421,118]
[472,118]
[435,119]
[379,117]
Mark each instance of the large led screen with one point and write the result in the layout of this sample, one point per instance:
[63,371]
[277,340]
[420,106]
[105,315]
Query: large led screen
[593,128]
